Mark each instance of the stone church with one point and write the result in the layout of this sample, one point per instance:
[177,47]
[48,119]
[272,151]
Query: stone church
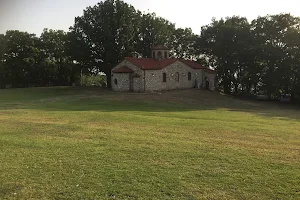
[160,73]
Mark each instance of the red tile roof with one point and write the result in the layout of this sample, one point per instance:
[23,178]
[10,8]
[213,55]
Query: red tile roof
[195,65]
[143,63]
[152,64]
[123,69]
[192,64]
[160,47]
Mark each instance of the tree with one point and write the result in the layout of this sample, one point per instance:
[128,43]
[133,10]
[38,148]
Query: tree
[275,55]
[153,30]
[59,69]
[226,43]
[21,59]
[112,30]
[292,41]
[252,58]
[108,31]
[183,43]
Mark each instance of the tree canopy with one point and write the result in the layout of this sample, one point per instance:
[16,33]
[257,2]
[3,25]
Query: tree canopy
[261,56]
[256,57]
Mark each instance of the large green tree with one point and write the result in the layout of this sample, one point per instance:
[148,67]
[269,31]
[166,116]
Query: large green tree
[21,59]
[183,43]
[153,30]
[26,60]
[226,44]
[252,58]
[271,35]
[108,33]
[112,30]
[58,66]
[292,40]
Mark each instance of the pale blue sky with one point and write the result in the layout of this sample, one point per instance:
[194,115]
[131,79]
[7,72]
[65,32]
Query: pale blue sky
[34,15]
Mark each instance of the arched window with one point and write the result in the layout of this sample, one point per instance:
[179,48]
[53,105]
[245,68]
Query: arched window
[153,54]
[159,54]
[177,77]
[116,81]
[164,77]
[189,76]
[166,54]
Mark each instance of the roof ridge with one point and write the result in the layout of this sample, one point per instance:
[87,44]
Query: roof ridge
[153,64]
[123,69]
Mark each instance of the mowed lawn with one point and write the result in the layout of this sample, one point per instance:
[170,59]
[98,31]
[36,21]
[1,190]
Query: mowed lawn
[87,143]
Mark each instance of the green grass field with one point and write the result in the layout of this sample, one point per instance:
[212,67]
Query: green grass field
[85,143]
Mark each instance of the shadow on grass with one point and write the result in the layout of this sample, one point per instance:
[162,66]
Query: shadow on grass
[67,99]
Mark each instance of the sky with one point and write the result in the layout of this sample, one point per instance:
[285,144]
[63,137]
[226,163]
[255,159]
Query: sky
[35,15]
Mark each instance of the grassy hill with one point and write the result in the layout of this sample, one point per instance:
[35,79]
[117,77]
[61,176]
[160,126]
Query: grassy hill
[87,143]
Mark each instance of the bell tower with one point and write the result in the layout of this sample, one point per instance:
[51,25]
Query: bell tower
[160,52]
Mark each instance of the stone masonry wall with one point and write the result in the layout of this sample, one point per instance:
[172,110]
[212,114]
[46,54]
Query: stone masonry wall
[122,82]
[124,78]
[154,78]
[211,78]
[162,53]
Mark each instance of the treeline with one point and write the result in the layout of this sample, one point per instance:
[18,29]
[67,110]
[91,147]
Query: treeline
[27,61]
[258,57]
[98,40]
[261,56]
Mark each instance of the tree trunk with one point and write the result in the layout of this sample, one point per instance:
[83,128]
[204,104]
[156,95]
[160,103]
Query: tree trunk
[226,86]
[236,90]
[108,78]
[292,96]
